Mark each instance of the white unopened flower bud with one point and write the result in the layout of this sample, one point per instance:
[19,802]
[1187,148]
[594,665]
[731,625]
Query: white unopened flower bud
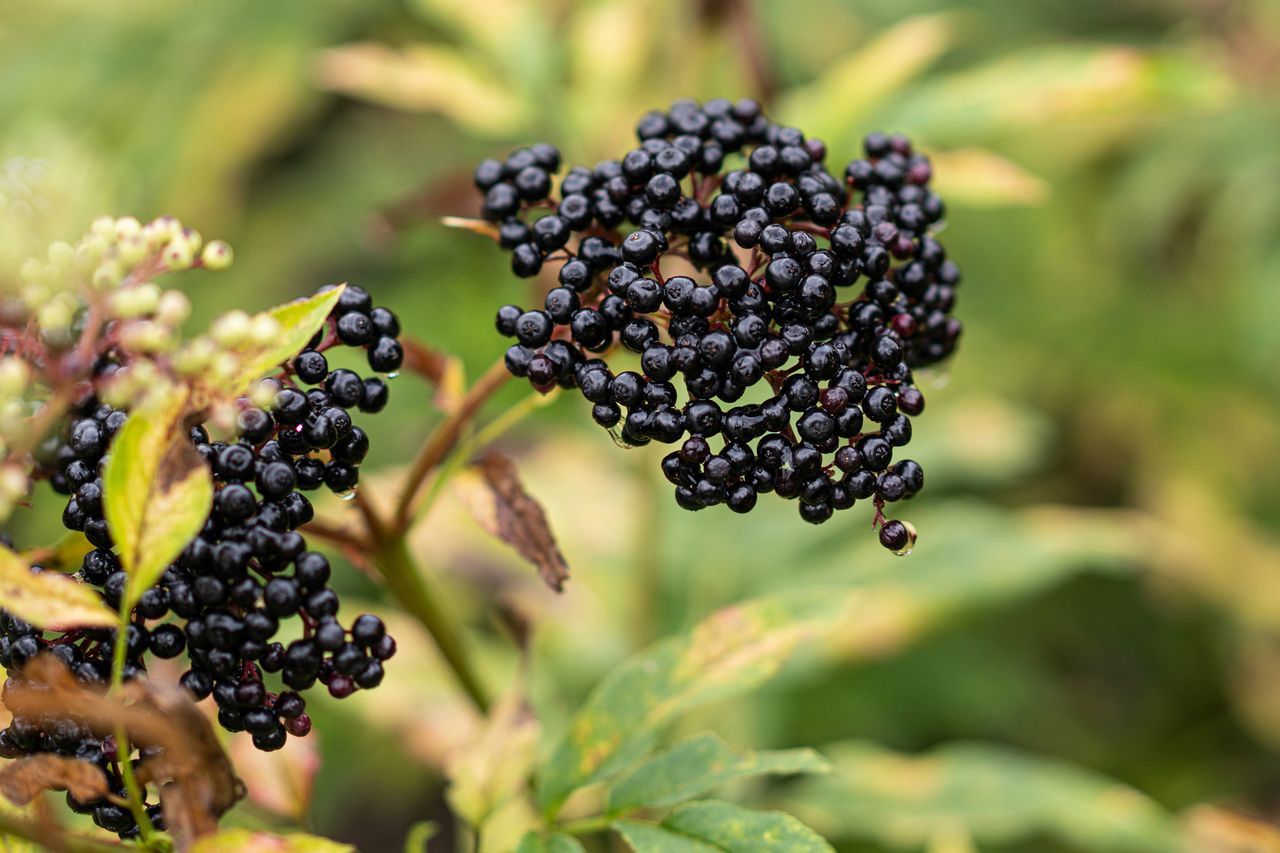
[14,375]
[61,254]
[216,256]
[127,226]
[232,329]
[178,255]
[264,393]
[266,329]
[174,308]
[108,275]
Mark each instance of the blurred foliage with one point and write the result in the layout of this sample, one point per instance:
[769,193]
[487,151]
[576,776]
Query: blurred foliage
[1094,605]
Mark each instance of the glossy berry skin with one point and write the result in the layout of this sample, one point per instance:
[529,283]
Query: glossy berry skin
[218,609]
[842,292]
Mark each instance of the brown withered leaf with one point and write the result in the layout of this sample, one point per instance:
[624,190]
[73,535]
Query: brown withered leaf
[25,779]
[197,782]
[443,371]
[492,491]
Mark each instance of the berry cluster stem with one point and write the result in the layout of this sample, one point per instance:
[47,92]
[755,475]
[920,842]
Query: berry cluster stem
[442,441]
[123,749]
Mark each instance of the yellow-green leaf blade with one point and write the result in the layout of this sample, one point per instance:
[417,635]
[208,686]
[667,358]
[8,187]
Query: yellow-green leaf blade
[248,841]
[698,765]
[556,842]
[49,599]
[999,795]
[713,825]
[731,652]
[299,321]
[157,492]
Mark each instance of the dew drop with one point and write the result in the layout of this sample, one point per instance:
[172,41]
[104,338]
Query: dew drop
[348,495]
[393,374]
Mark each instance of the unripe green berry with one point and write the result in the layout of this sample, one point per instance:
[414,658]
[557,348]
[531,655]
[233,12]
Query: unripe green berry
[216,256]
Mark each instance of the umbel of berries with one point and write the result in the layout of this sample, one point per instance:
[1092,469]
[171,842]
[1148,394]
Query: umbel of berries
[778,311]
[225,602]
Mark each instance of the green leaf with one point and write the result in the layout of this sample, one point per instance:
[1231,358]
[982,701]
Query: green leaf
[735,650]
[495,767]
[1001,796]
[699,764]
[49,599]
[299,321]
[248,841]
[156,490]
[713,825]
[425,78]
[976,177]
[557,842]
[844,93]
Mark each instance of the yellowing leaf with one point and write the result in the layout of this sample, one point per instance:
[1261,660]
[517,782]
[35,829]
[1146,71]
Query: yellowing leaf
[844,93]
[25,779]
[712,825]
[728,654]
[424,78]
[492,490]
[157,492]
[1001,796]
[980,178]
[698,765]
[299,321]
[280,781]
[556,842]
[248,841]
[495,766]
[49,599]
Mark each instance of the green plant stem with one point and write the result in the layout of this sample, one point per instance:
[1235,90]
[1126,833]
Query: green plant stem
[52,838]
[118,658]
[415,594]
[442,441]
[469,447]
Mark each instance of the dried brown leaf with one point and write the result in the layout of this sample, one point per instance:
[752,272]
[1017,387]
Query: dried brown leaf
[497,499]
[25,779]
[197,782]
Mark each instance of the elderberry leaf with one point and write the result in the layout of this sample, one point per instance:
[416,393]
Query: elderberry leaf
[157,492]
[425,78]
[862,79]
[1001,796]
[713,825]
[299,321]
[249,841]
[494,767]
[25,779]
[728,654]
[980,178]
[49,599]
[698,765]
[556,842]
[493,492]
[181,753]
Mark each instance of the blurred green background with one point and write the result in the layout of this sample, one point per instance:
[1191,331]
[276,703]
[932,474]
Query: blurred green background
[1095,598]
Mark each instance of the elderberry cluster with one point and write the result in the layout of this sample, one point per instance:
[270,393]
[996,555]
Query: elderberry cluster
[224,599]
[724,254]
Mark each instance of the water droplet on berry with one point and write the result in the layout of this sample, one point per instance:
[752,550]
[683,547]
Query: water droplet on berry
[393,374]
[615,432]
[348,495]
